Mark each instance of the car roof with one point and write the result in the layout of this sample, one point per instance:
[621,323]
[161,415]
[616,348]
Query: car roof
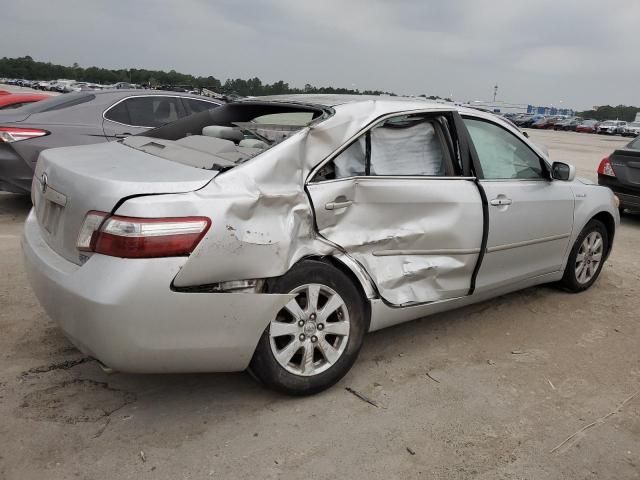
[333,100]
[385,104]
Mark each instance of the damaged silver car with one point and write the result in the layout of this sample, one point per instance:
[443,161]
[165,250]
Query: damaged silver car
[272,234]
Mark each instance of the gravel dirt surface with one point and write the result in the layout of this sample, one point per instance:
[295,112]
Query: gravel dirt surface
[484,392]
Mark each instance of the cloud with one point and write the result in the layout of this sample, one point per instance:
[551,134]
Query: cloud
[537,51]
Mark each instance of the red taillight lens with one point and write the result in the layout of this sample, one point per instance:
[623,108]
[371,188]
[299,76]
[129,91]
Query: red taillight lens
[605,168]
[15,134]
[130,237]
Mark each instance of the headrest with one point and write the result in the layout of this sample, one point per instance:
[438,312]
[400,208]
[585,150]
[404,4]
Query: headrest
[207,144]
[253,143]
[227,133]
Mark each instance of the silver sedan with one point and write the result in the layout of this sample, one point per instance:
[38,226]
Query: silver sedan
[272,234]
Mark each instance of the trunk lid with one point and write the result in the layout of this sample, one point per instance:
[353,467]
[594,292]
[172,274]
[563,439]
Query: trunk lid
[626,165]
[14,115]
[71,181]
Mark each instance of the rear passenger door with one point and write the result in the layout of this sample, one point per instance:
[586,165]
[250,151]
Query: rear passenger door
[139,113]
[394,200]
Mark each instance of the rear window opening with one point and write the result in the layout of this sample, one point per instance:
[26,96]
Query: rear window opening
[230,135]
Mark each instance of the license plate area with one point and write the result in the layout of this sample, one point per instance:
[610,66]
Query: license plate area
[48,213]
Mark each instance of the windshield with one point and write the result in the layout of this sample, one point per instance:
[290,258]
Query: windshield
[634,124]
[635,144]
[608,123]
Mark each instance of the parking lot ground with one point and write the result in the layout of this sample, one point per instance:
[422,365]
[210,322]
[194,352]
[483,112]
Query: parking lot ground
[490,391]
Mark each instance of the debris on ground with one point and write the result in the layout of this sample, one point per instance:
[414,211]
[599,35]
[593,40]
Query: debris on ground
[599,421]
[411,451]
[362,397]
[432,377]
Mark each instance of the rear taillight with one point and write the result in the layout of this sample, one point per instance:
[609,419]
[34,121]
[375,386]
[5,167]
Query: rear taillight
[605,168]
[15,134]
[131,237]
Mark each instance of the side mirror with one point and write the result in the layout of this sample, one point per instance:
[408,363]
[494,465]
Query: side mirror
[563,171]
[526,134]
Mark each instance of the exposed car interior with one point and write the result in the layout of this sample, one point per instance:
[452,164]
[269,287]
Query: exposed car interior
[407,145]
[227,136]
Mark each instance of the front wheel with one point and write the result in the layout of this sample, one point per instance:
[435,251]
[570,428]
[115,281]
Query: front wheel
[315,339]
[586,258]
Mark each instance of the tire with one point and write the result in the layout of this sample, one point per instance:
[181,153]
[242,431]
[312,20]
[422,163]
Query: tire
[302,367]
[575,279]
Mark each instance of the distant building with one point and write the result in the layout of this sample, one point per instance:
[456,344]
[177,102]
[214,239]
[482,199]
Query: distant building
[499,106]
[550,110]
[509,107]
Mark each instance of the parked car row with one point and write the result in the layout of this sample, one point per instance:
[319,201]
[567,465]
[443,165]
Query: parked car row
[66,86]
[576,124]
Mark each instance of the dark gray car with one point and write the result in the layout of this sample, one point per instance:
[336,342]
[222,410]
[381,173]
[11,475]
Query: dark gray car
[83,118]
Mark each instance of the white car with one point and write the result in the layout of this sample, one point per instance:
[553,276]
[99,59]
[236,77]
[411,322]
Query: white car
[631,129]
[612,127]
[272,234]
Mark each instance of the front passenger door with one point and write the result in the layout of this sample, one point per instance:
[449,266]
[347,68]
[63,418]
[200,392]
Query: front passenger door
[530,215]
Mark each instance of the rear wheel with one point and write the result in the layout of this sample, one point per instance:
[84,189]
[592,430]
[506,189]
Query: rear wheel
[315,339]
[586,258]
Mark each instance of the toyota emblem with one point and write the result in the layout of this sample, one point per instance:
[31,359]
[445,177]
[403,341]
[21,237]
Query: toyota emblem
[44,182]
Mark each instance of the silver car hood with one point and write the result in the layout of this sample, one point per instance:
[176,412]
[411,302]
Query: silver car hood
[71,181]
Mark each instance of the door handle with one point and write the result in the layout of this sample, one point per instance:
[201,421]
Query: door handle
[122,135]
[338,205]
[500,201]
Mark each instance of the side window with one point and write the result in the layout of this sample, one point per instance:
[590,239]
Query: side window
[145,111]
[119,113]
[407,145]
[502,155]
[196,106]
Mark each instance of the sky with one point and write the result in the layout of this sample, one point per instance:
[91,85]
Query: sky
[572,53]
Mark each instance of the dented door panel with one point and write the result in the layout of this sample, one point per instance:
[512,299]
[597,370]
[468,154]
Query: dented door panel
[418,237]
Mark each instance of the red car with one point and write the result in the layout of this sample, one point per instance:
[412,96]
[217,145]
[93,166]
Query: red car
[588,126]
[15,100]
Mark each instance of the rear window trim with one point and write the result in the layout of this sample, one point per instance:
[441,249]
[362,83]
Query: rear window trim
[104,113]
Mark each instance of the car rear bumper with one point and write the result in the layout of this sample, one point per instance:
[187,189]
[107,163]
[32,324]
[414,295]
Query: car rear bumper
[124,313]
[15,173]
[629,197]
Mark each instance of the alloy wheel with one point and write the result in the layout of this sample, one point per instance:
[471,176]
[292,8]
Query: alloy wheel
[311,332]
[589,257]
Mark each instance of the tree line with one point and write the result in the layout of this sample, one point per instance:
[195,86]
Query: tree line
[29,69]
[607,112]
